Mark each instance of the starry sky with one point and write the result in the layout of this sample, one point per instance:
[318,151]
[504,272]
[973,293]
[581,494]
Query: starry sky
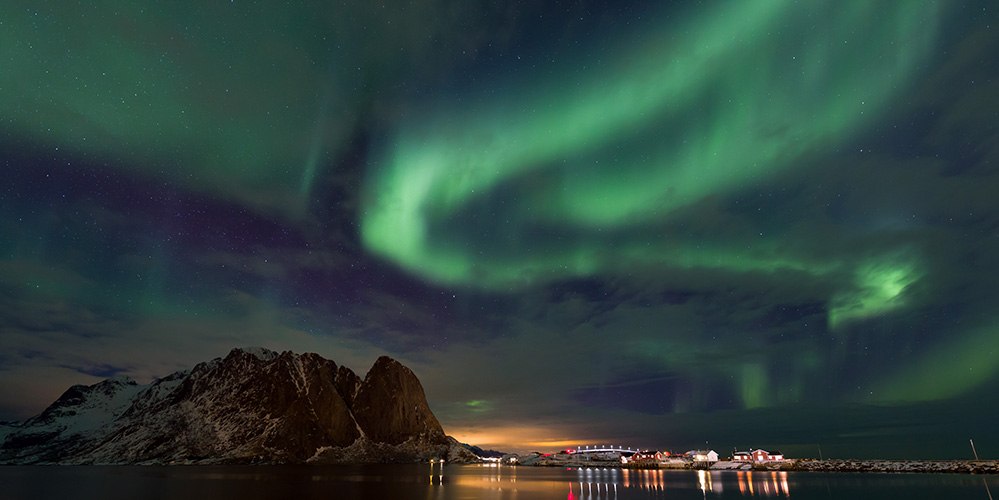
[670,225]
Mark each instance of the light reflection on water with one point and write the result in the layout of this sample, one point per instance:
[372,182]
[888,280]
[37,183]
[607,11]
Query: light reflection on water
[604,482]
[766,484]
[452,482]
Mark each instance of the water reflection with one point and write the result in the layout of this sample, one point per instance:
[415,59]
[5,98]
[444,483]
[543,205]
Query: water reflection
[489,480]
[645,479]
[608,483]
[704,481]
[593,491]
[597,482]
[495,481]
[461,482]
[439,476]
[767,484]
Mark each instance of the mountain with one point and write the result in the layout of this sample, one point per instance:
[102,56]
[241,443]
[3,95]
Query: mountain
[253,406]
[479,452]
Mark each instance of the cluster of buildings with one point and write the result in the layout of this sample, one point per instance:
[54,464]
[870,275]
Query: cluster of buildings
[622,455]
[700,456]
[757,456]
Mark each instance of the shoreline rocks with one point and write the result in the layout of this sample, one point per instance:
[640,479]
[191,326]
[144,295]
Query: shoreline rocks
[891,466]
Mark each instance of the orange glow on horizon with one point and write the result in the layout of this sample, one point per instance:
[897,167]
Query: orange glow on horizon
[519,439]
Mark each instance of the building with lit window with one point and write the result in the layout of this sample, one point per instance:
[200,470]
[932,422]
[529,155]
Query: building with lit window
[702,455]
[758,455]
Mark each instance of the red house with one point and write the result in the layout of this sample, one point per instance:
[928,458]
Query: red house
[645,456]
[758,455]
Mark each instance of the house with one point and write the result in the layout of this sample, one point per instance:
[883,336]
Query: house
[702,455]
[644,457]
[758,455]
[647,456]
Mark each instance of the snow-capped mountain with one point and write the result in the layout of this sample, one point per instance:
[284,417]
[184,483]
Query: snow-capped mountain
[253,406]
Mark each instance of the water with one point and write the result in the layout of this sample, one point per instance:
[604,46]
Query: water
[452,482]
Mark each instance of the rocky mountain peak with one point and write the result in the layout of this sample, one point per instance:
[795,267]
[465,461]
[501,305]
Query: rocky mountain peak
[260,353]
[77,398]
[390,404]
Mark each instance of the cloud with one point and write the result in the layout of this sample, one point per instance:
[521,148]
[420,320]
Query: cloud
[76,340]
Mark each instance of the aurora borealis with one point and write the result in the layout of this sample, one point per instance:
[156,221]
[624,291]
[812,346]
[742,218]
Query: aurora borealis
[751,224]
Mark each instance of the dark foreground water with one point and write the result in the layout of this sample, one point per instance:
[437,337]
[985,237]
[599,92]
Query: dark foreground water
[447,482]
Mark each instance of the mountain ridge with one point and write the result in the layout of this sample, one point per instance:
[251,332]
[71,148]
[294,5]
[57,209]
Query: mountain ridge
[253,406]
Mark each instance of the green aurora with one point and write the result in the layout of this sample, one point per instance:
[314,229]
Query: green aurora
[661,214]
[681,118]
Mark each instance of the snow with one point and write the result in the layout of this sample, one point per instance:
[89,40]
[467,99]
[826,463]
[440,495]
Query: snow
[121,378]
[5,429]
[99,409]
[298,375]
[164,386]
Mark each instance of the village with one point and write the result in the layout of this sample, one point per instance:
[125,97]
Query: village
[610,456]
[604,457]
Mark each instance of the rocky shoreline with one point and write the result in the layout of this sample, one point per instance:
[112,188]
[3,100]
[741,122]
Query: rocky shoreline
[885,466]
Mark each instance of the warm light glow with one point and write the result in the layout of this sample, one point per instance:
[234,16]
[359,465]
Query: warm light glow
[516,439]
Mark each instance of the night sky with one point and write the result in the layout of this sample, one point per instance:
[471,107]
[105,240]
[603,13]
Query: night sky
[731,224]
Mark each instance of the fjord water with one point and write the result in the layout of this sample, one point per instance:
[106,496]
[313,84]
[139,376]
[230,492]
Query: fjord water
[425,481]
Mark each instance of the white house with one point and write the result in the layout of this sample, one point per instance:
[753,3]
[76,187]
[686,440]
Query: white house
[702,455]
